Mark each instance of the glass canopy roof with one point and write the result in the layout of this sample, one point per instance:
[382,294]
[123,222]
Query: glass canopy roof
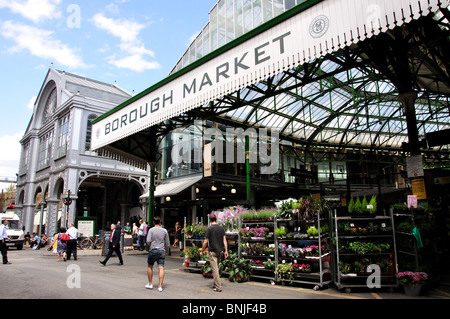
[228,20]
[337,103]
[343,107]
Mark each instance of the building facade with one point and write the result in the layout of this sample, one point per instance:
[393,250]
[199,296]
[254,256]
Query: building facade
[56,160]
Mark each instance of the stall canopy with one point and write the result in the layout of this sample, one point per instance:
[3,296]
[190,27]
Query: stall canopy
[313,73]
[174,187]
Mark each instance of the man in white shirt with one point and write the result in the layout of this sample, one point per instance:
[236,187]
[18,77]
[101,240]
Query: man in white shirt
[3,238]
[72,242]
[141,234]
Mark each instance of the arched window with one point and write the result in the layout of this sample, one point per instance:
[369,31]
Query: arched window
[50,107]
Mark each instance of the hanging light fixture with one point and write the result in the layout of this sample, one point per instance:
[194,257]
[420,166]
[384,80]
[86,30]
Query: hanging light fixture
[168,199]
[233,191]
[213,187]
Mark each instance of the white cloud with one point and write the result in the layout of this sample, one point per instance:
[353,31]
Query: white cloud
[30,104]
[10,154]
[126,30]
[130,44]
[40,43]
[133,48]
[34,10]
[133,62]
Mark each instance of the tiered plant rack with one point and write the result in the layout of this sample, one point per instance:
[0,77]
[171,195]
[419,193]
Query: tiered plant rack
[318,278]
[358,279]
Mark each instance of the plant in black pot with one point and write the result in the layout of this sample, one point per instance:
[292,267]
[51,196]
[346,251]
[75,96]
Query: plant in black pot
[206,268]
[238,269]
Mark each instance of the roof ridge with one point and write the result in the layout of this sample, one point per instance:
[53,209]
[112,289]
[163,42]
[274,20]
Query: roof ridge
[85,78]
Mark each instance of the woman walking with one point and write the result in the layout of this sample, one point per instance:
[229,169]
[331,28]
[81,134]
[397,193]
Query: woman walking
[61,245]
[177,234]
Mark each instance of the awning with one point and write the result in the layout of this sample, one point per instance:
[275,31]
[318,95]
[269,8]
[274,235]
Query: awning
[174,187]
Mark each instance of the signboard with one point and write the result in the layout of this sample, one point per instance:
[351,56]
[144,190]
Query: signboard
[302,173]
[307,32]
[412,201]
[414,166]
[418,188]
[86,227]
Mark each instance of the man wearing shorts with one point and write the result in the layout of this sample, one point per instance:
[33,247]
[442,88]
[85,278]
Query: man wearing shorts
[158,243]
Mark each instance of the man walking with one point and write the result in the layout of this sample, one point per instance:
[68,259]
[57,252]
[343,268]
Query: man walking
[216,242]
[141,233]
[114,246]
[158,242]
[72,242]
[3,238]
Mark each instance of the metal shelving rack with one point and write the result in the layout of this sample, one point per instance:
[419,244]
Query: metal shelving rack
[315,278]
[359,279]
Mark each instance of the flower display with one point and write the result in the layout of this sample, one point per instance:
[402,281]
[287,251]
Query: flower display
[312,251]
[301,267]
[229,217]
[412,278]
[254,232]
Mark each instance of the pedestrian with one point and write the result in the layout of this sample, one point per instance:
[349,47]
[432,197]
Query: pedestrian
[216,242]
[177,234]
[27,238]
[159,245]
[119,227]
[43,241]
[114,246]
[127,229]
[34,242]
[134,233]
[141,238]
[61,245]
[3,238]
[72,242]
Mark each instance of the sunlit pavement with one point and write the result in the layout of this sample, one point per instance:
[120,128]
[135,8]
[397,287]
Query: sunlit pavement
[36,274]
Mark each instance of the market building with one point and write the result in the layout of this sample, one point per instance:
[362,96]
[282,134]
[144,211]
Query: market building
[57,162]
[345,92]
[337,100]
[282,99]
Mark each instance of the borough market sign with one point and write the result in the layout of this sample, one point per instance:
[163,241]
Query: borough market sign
[307,32]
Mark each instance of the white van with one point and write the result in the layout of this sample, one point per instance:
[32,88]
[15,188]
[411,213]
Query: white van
[14,229]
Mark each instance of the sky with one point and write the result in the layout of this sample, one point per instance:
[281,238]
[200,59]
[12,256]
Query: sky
[133,42]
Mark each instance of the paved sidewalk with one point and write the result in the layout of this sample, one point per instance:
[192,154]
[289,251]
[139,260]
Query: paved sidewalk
[36,274]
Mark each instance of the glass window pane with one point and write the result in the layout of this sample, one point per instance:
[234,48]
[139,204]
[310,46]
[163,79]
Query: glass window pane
[257,13]
[289,4]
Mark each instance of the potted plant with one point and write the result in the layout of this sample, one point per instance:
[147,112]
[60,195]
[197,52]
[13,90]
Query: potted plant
[285,272]
[188,231]
[206,268]
[412,282]
[193,253]
[373,205]
[238,269]
[280,232]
